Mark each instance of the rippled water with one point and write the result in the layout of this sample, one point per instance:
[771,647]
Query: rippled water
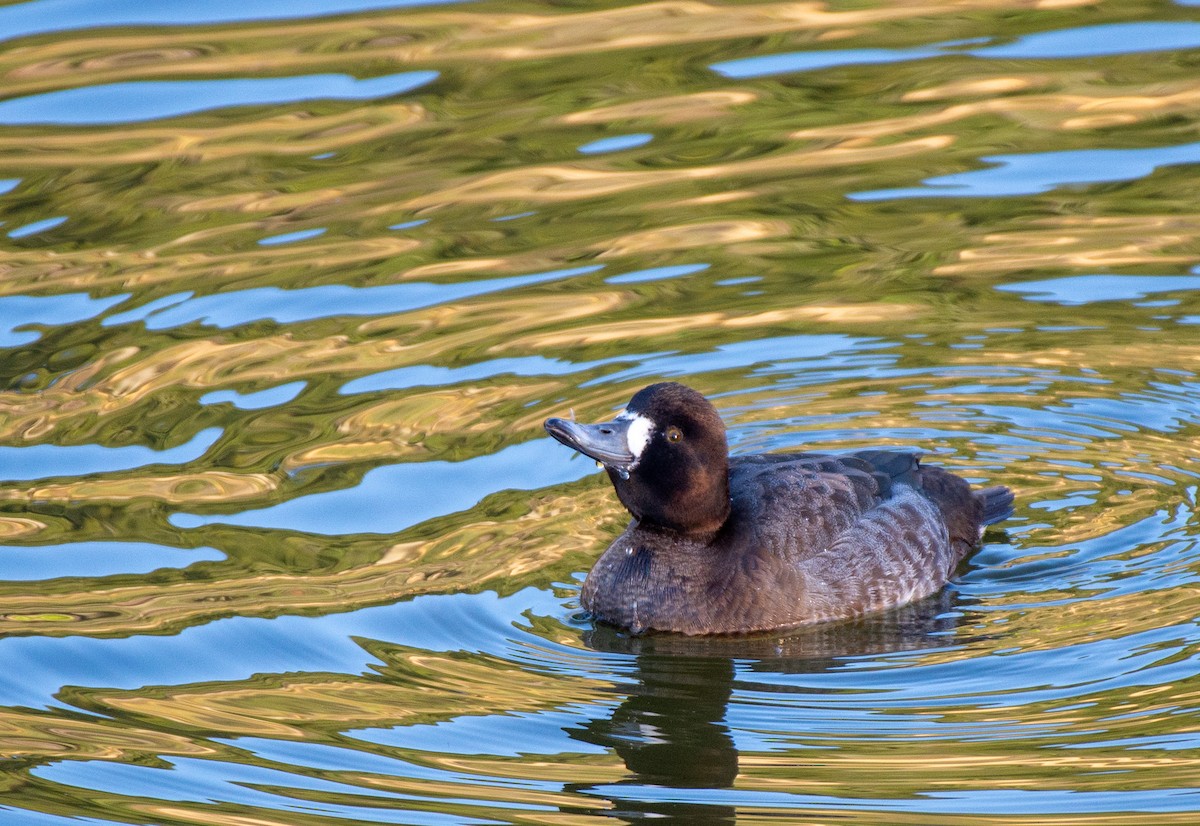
[288,289]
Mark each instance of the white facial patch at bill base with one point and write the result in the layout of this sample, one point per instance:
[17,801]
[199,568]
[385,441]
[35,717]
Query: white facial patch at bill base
[639,433]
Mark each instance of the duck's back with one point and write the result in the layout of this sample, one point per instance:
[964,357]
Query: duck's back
[863,532]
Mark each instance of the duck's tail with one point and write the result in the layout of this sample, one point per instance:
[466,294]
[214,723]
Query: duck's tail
[997,503]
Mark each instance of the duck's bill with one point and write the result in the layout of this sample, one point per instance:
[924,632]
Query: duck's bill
[607,442]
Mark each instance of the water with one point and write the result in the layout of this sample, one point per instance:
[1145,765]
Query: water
[288,290]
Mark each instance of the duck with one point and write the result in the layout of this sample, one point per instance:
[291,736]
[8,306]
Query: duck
[722,544]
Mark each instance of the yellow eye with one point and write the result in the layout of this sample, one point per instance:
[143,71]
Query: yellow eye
[673,434]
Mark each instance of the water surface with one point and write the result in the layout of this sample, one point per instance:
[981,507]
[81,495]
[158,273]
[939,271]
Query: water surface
[290,288]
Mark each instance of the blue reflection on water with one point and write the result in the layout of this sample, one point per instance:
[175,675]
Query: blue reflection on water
[1097,41]
[425,375]
[616,143]
[1157,742]
[36,668]
[285,306]
[778,353]
[994,802]
[1087,289]
[511,734]
[198,654]
[395,497]
[27,817]
[656,274]
[1096,567]
[486,623]
[202,781]
[320,756]
[1086,41]
[147,309]
[8,184]
[145,100]
[44,461]
[19,310]
[777,64]
[290,237]
[1043,171]
[270,397]
[93,559]
[38,226]
[489,624]
[41,16]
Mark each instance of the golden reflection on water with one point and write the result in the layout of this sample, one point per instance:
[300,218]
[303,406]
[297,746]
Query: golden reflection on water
[438,36]
[310,708]
[700,106]
[180,488]
[688,236]
[1100,242]
[649,329]
[536,533]
[419,424]
[553,184]
[12,527]
[292,134]
[1102,108]
[28,734]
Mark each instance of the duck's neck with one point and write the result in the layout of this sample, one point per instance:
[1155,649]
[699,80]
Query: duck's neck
[691,515]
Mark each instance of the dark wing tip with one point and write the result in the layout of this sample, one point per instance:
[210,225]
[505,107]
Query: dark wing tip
[997,503]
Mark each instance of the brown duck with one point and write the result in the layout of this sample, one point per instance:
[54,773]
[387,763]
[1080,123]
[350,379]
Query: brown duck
[723,545]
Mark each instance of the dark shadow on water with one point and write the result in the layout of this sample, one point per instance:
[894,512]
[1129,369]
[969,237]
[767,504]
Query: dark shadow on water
[671,730]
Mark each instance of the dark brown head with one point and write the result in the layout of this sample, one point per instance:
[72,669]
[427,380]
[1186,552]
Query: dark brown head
[666,455]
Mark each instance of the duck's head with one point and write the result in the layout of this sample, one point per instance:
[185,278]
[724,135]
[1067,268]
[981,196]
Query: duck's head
[666,455]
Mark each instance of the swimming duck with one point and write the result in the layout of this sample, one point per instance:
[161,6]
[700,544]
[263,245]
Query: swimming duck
[726,545]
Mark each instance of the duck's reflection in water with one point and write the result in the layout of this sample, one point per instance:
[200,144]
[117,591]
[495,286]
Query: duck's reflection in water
[671,729]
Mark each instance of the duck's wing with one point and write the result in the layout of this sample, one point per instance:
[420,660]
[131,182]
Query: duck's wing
[877,476]
[852,533]
[831,537]
[800,503]
[965,510]
[888,468]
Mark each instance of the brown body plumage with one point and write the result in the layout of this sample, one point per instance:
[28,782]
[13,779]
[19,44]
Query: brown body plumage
[755,543]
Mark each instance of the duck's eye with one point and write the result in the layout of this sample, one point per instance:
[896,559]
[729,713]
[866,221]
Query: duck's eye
[674,434]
